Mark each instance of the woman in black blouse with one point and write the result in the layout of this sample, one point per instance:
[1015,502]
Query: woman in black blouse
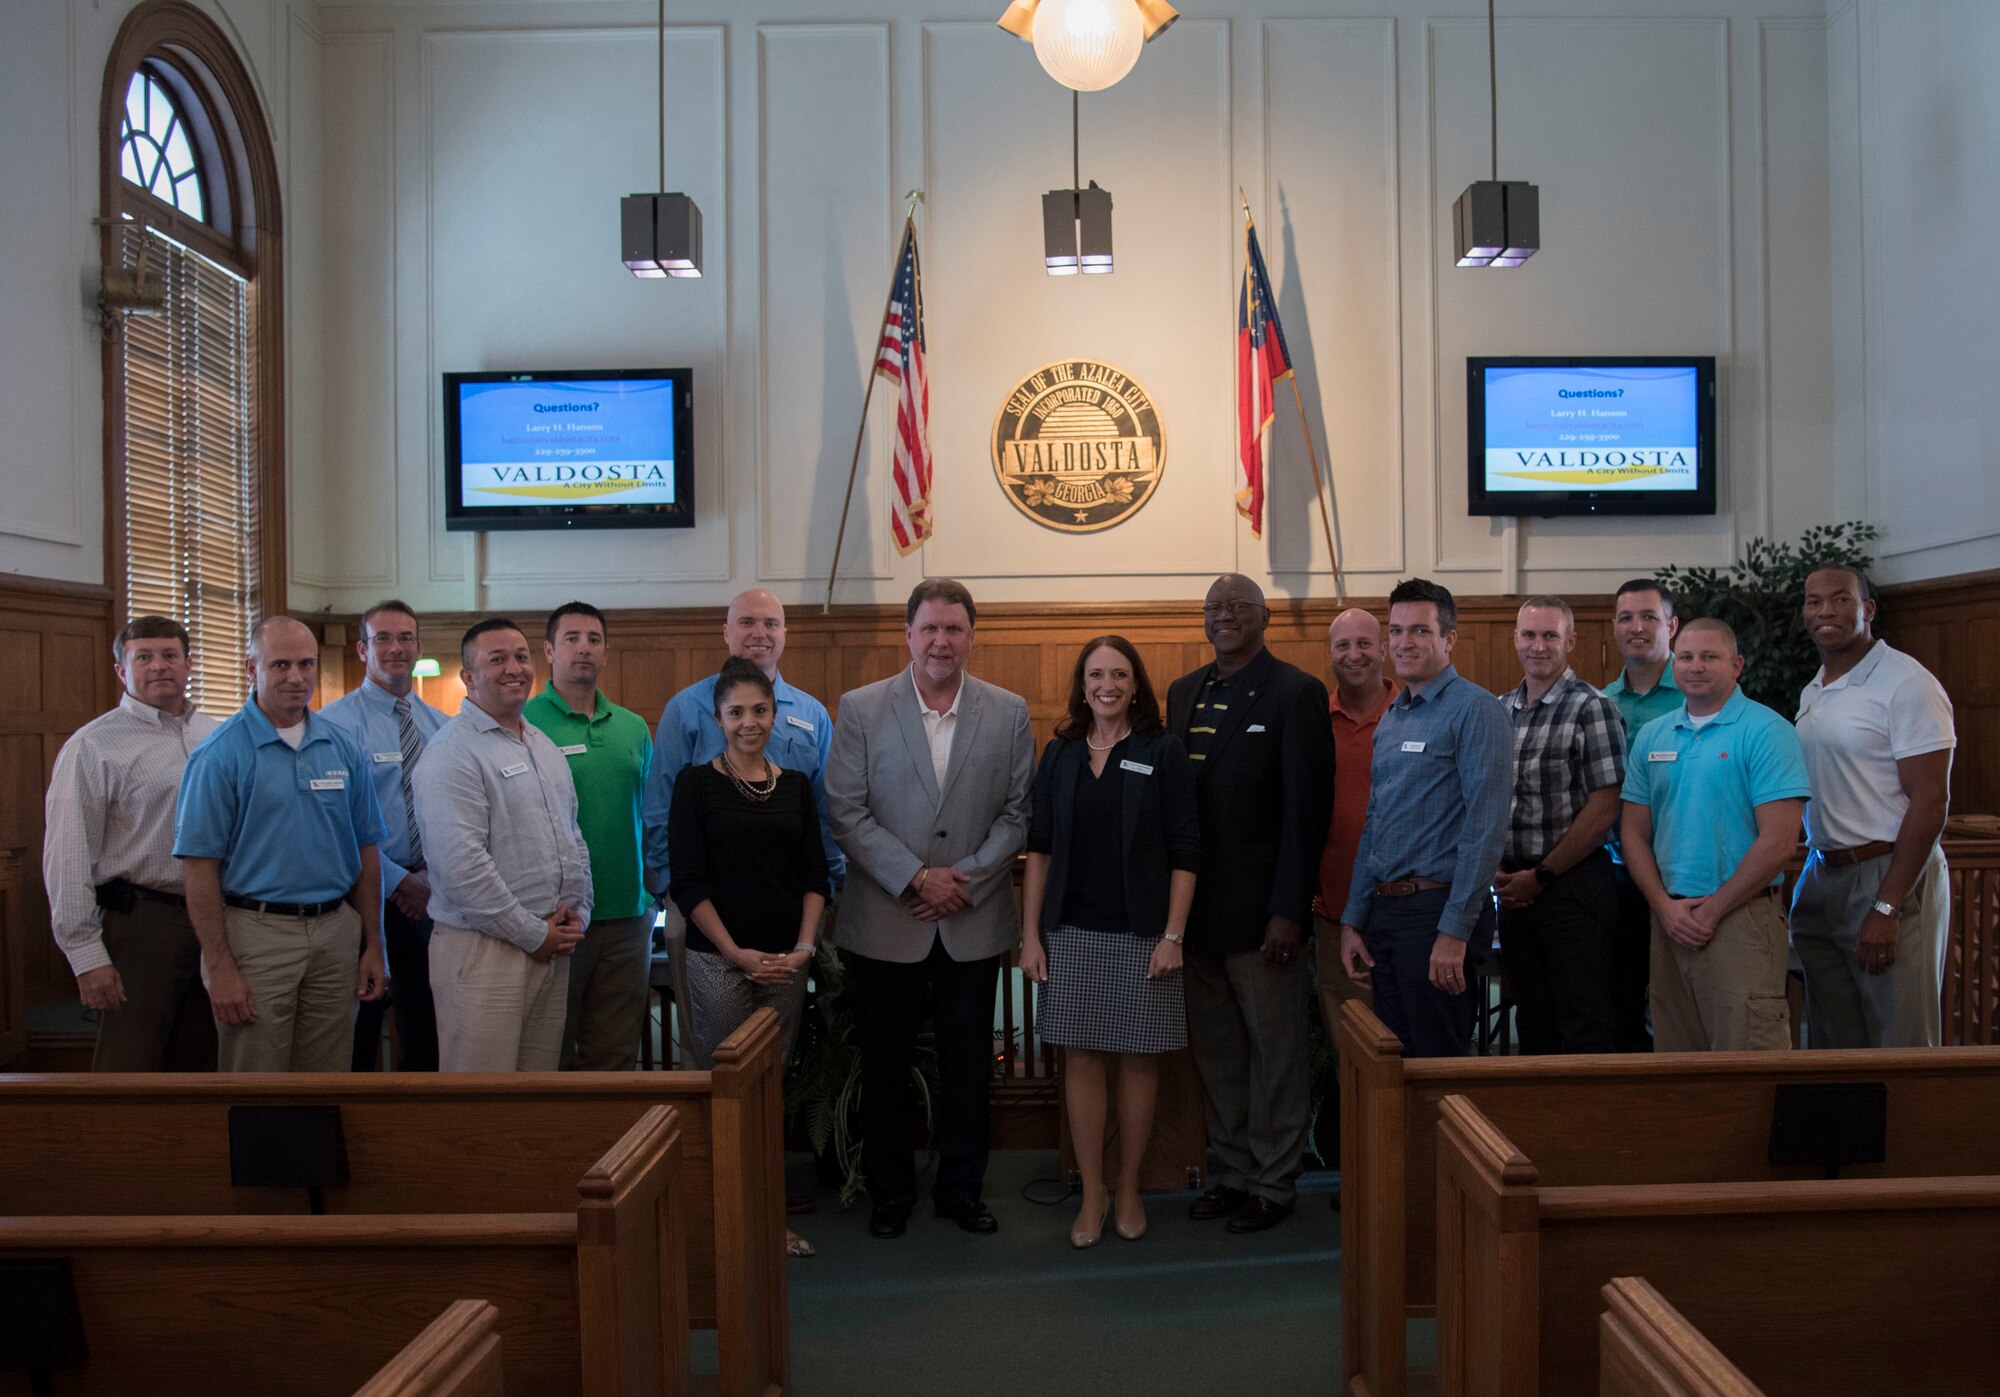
[749,874]
[1112,852]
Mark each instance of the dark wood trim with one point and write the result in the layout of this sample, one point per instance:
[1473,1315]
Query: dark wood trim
[191,42]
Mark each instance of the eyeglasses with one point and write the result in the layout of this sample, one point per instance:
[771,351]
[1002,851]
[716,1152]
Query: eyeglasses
[1216,610]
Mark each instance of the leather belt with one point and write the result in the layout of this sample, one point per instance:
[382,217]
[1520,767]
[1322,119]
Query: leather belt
[1407,887]
[1773,891]
[283,909]
[121,890]
[1860,853]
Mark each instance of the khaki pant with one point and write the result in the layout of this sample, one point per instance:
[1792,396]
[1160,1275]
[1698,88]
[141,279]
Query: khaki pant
[1332,982]
[1729,996]
[166,1024]
[1846,1007]
[303,978]
[607,995]
[498,1008]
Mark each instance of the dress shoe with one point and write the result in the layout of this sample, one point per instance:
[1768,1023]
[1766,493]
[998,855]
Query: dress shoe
[1132,1232]
[885,1221]
[1219,1202]
[1259,1214]
[1081,1236]
[973,1216]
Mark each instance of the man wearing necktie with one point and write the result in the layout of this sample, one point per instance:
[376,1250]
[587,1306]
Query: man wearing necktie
[390,724]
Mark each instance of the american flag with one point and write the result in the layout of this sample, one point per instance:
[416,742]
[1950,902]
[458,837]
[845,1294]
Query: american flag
[1261,362]
[900,359]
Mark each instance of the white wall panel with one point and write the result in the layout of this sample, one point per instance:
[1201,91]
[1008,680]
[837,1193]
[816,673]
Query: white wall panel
[828,234]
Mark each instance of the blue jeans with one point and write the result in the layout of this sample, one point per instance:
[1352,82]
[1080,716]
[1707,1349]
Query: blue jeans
[1401,931]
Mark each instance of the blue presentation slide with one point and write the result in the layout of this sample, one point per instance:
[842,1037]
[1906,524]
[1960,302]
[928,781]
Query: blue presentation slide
[580,441]
[1596,428]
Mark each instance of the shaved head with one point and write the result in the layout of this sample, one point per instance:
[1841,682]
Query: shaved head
[1716,626]
[754,629]
[274,628]
[1354,621]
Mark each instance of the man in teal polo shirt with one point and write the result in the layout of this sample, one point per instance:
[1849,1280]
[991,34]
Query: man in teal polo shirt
[1714,793]
[610,753]
[1643,625]
[276,827]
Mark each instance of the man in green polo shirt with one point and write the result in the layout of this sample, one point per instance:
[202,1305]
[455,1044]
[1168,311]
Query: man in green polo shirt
[610,753]
[1643,624]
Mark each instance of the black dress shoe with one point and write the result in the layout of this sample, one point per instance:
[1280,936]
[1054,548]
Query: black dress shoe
[885,1221]
[974,1216]
[1219,1202]
[1259,1214]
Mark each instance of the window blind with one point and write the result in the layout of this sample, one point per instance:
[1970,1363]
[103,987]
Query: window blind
[191,525]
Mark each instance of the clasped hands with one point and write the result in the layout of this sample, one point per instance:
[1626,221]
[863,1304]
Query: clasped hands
[936,893]
[565,931]
[763,968]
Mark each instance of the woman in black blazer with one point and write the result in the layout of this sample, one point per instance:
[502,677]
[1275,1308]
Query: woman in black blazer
[1113,847]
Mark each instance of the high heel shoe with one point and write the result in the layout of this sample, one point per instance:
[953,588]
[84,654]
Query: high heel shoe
[1080,1239]
[1133,1234]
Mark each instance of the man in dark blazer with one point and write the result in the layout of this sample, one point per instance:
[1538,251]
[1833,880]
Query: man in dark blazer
[1257,731]
[927,792]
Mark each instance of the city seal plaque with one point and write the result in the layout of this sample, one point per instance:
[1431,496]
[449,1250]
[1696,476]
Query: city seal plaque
[1078,446]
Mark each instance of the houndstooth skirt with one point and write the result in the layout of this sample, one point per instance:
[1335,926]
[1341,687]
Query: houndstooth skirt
[1097,996]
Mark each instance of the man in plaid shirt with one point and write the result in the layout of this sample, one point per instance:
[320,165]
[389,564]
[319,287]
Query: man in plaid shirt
[1558,900]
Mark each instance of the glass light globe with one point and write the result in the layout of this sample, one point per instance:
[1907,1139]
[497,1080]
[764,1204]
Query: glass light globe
[1088,44]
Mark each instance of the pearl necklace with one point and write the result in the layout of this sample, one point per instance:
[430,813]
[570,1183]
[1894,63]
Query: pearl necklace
[1109,745]
[746,789]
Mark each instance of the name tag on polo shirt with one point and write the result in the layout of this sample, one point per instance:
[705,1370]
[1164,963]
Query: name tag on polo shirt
[515,770]
[800,723]
[1663,756]
[384,757]
[1413,746]
[328,783]
[574,749]
[1127,764]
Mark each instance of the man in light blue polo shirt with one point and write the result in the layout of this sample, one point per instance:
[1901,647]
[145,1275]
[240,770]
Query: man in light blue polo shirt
[801,736]
[391,724]
[1713,796]
[276,827]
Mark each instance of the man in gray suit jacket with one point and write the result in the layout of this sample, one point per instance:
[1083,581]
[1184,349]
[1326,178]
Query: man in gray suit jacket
[927,794]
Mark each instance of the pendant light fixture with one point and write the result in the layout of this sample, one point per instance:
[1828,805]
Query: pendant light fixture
[1496,222]
[1087,45]
[661,232]
[1076,222]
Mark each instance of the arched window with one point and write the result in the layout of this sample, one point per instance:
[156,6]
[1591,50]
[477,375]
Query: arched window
[193,376]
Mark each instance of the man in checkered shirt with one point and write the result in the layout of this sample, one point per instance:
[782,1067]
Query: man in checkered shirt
[1558,900]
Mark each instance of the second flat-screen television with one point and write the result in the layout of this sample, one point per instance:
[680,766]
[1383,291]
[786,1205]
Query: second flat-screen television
[1599,434]
[569,449]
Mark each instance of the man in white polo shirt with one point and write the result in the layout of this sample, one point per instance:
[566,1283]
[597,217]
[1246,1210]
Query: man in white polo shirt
[1870,914]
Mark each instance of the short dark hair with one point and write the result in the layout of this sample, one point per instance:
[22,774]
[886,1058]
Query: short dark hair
[149,628]
[479,628]
[1647,584]
[1075,722]
[387,604]
[574,608]
[1416,589]
[734,674]
[1861,582]
[948,590]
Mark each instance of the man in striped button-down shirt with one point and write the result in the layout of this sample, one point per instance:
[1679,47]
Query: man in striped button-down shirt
[1437,821]
[1558,901]
[115,891]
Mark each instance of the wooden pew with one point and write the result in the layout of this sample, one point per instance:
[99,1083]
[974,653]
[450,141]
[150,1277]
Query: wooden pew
[457,1355]
[1811,1286]
[1646,1348]
[1610,1119]
[590,1302]
[83,1144]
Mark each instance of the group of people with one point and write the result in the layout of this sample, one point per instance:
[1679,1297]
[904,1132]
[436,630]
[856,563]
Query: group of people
[229,893]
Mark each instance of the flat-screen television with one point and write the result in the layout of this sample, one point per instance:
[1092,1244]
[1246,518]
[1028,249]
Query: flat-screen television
[1602,434]
[569,449]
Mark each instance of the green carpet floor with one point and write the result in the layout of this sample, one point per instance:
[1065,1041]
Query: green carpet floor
[1189,1308]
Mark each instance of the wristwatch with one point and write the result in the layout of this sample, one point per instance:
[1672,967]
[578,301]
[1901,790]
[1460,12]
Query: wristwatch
[1544,874]
[1887,909]
[1177,939]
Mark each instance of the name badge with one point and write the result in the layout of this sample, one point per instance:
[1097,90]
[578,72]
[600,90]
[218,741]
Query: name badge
[329,783]
[1662,756]
[383,757]
[1255,727]
[574,749]
[1413,746]
[515,770]
[800,723]
[1127,764]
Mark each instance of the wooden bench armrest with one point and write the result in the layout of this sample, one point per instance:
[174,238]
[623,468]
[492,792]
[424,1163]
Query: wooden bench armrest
[457,1355]
[1647,1348]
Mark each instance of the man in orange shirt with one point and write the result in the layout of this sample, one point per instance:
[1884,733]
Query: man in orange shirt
[1361,693]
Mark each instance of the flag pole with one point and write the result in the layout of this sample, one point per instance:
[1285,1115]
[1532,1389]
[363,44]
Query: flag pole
[1320,490]
[867,397]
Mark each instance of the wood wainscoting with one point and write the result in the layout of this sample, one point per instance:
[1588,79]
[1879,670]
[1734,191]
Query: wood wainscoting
[1952,627]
